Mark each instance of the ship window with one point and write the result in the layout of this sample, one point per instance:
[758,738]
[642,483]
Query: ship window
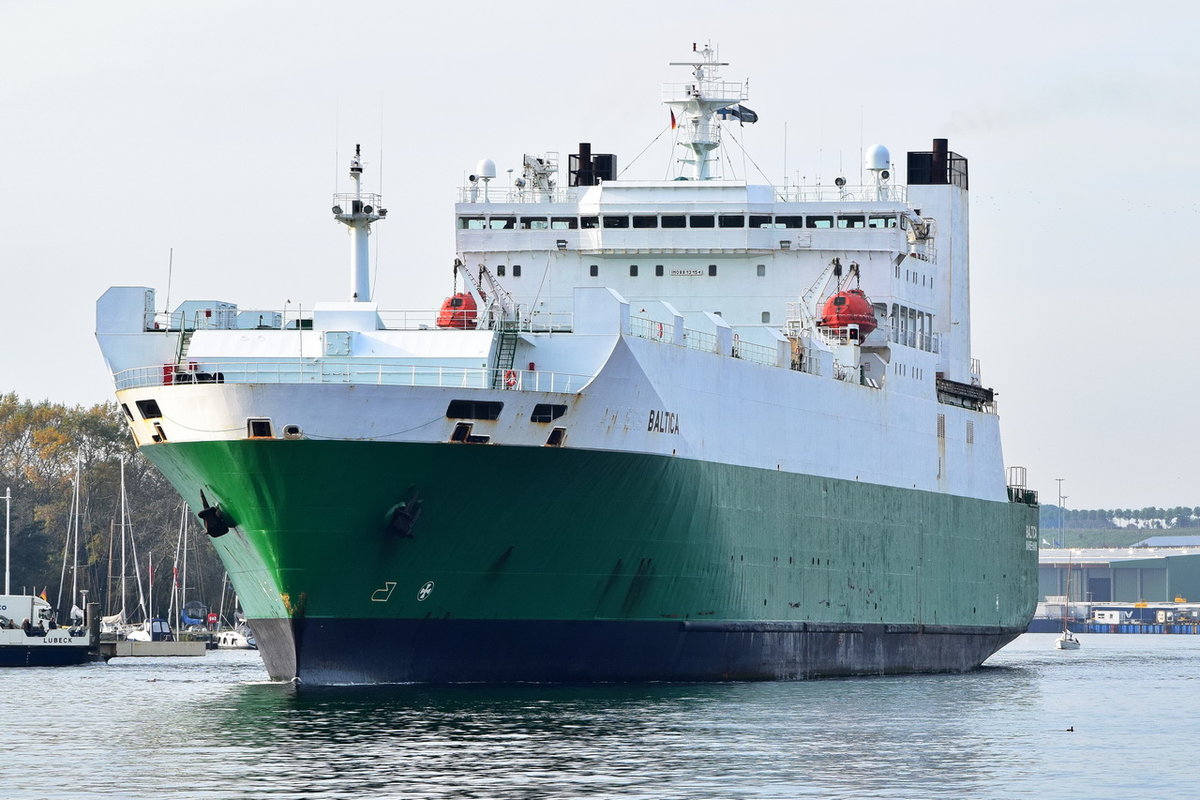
[563,223]
[461,431]
[790,222]
[712,270]
[641,221]
[761,269]
[259,429]
[674,221]
[759,221]
[766,317]
[853,221]
[616,222]
[125,408]
[658,270]
[731,221]
[500,270]
[556,437]
[633,270]
[148,409]
[547,412]
[534,223]
[516,270]
[820,222]
[594,270]
[881,222]
[502,223]
[159,435]
[471,223]
[474,409]
[589,222]
[699,221]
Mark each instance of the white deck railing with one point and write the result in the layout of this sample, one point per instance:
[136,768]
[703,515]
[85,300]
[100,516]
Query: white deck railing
[356,371]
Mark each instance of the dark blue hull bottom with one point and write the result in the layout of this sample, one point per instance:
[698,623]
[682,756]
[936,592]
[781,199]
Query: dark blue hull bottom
[331,652]
[42,655]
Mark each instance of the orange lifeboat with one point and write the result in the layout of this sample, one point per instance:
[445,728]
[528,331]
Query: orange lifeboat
[849,307]
[458,311]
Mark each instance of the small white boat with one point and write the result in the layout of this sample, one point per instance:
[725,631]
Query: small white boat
[1066,641]
[242,638]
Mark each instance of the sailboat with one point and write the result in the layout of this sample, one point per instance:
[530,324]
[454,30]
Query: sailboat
[1066,640]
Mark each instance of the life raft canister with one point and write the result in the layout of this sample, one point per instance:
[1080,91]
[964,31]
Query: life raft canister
[458,311]
[849,307]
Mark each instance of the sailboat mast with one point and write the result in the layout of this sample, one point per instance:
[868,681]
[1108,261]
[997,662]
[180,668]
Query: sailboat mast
[124,618]
[75,554]
[7,525]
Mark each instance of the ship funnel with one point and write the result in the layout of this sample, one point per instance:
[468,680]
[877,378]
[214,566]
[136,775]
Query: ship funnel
[357,210]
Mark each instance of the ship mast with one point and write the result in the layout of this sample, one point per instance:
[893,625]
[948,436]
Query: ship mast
[694,106]
[363,210]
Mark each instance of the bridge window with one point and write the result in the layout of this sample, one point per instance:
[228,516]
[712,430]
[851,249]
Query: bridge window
[819,222]
[760,221]
[616,222]
[588,223]
[502,223]
[534,223]
[563,223]
[643,221]
[674,221]
[852,221]
[881,222]
[701,221]
[731,221]
[789,222]
[470,223]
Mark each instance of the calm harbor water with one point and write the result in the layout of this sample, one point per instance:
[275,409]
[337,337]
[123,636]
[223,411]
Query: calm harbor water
[213,727]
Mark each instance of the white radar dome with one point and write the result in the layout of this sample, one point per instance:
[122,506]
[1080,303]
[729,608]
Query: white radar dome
[486,168]
[878,157]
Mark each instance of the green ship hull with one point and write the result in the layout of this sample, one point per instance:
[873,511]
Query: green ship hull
[369,562]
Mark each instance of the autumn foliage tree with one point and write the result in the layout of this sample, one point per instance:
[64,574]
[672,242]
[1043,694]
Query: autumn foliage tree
[40,444]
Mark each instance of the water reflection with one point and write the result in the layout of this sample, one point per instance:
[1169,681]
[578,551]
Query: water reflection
[742,740]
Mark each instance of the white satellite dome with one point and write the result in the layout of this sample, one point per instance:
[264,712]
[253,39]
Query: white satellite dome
[878,157]
[486,168]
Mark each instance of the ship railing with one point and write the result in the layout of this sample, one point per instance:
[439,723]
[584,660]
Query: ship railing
[820,193]
[700,340]
[347,371]
[402,320]
[759,354]
[652,329]
[733,91]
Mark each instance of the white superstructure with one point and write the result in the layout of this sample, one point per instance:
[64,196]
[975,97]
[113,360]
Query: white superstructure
[674,317]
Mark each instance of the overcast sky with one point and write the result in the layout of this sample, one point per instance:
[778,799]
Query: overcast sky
[220,129]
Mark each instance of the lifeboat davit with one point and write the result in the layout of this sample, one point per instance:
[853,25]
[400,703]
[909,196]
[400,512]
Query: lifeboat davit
[458,311]
[849,307]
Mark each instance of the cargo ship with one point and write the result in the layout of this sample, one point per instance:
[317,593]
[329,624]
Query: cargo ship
[682,429]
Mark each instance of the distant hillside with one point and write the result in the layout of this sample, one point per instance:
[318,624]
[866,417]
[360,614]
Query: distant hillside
[1146,519]
[1113,527]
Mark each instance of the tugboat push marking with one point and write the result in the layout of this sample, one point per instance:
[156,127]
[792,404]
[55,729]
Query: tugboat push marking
[663,422]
